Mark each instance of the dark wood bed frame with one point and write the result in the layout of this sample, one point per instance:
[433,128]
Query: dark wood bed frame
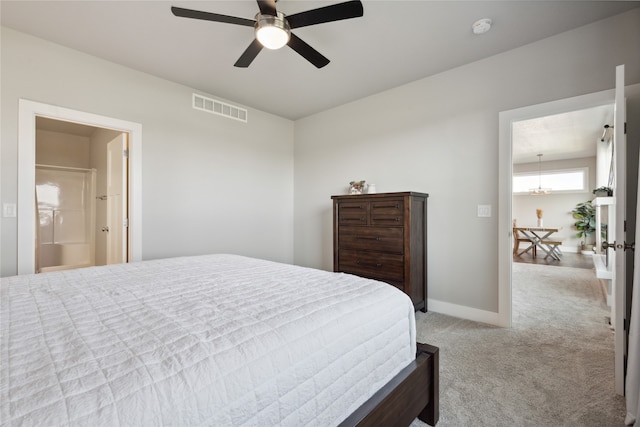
[414,392]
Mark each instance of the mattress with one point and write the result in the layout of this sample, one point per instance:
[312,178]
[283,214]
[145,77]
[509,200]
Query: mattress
[218,340]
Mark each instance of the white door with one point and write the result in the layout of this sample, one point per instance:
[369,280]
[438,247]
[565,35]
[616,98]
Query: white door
[117,222]
[618,282]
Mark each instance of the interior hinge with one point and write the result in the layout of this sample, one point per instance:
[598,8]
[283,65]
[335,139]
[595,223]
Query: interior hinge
[126,154]
[625,128]
[126,222]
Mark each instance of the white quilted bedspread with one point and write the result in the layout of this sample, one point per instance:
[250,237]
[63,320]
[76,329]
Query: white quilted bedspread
[216,340]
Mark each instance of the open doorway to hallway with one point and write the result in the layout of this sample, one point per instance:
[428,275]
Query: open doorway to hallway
[577,148]
[506,174]
[567,155]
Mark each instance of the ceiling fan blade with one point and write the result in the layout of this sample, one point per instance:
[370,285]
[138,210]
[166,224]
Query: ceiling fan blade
[208,16]
[267,7]
[307,52]
[336,12]
[249,54]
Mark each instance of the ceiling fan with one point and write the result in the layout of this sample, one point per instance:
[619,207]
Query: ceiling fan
[273,28]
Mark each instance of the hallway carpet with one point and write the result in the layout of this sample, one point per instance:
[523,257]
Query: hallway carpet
[554,367]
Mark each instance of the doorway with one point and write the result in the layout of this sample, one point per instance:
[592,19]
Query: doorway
[578,146]
[80,195]
[505,208]
[574,156]
[29,113]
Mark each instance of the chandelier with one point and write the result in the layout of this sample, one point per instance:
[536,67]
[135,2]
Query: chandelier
[539,191]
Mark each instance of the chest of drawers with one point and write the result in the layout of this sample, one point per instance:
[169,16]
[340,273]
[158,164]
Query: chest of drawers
[384,237]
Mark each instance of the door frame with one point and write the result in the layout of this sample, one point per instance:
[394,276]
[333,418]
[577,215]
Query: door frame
[505,178]
[27,113]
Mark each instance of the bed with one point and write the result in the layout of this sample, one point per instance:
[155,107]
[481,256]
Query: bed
[220,340]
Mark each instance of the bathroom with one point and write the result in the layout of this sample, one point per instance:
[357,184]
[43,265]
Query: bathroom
[80,195]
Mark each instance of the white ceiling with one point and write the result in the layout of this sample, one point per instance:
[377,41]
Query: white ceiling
[394,43]
[561,136]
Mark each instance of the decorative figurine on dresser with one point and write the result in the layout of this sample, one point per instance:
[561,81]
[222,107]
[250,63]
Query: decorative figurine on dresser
[384,237]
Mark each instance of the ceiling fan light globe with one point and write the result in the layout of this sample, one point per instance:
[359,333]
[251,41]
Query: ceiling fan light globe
[272,31]
[272,37]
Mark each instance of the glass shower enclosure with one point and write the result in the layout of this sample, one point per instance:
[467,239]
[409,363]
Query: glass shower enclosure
[65,218]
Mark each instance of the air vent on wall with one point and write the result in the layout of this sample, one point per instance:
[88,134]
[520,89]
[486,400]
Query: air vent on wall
[214,106]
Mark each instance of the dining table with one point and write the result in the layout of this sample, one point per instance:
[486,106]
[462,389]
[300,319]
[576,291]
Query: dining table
[539,238]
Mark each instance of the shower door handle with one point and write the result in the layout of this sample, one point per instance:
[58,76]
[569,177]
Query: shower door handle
[105,229]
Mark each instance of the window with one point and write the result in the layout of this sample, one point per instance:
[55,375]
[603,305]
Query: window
[567,180]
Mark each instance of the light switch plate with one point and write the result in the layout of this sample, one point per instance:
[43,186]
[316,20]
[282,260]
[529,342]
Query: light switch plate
[9,210]
[484,211]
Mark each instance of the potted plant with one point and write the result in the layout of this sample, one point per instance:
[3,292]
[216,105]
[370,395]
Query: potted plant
[585,214]
[603,191]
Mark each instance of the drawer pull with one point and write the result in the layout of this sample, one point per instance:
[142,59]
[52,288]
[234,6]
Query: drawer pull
[351,207]
[369,264]
[396,219]
[368,238]
[360,219]
[388,205]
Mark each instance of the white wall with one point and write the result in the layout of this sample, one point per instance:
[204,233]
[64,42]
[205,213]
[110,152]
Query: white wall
[556,206]
[209,184]
[439,135]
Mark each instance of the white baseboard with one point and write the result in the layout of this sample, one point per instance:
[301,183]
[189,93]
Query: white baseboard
[569,249]
[463,312]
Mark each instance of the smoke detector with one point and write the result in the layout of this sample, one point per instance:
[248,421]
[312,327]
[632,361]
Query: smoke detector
[481,26]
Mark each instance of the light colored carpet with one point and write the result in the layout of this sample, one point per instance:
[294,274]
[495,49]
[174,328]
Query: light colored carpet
[553,368]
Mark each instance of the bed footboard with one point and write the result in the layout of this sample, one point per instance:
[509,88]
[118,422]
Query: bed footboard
[414,392]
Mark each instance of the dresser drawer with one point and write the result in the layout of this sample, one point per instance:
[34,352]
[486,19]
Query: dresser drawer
[374,265]
[353,213]
[383,239]
[388,213]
